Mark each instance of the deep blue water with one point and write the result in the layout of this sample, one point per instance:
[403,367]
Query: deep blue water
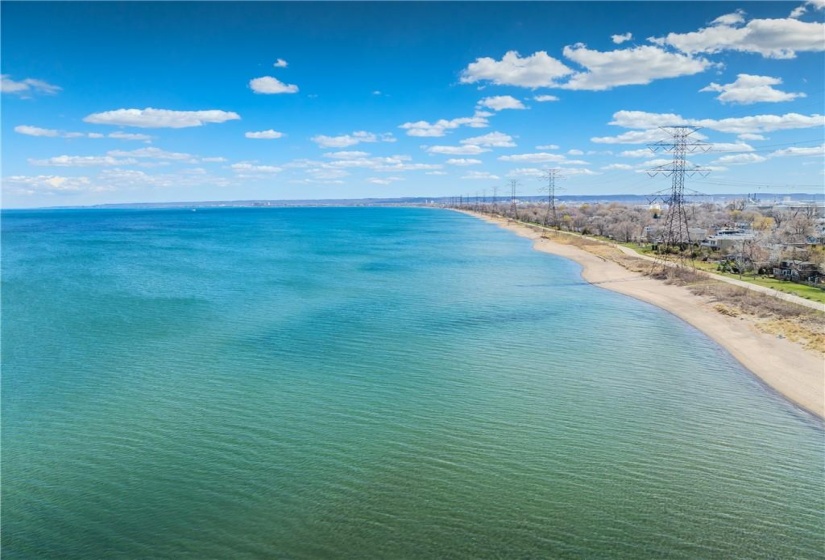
[370,383]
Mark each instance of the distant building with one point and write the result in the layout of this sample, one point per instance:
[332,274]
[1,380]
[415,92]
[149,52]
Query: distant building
[726,238]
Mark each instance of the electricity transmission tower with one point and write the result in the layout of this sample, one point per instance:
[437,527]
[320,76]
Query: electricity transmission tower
[513,208]
[551,217]
[676,232]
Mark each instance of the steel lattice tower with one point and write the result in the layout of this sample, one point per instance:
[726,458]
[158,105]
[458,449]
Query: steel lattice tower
[676,232]
[551,176]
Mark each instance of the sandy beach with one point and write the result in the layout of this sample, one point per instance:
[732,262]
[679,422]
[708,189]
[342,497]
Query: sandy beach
[784,366]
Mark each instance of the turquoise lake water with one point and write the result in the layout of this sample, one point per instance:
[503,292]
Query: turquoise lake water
[370,383]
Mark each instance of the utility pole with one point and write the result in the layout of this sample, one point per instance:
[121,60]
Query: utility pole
[676,232]
[495,199]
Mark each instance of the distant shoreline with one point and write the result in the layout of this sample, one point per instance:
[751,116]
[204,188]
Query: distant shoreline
[782,365]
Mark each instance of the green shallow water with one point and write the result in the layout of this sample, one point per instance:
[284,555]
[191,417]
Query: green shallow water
[370,383]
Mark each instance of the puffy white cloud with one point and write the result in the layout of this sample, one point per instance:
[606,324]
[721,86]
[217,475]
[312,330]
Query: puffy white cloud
[733,18]
[541,157]
[771,38]
[441,126]
[619,39]
[36,131]
[160,118]
[264,134]
[536,70]
[636,66]
[54,184]
[346,140]
[280,63]
[575,152]
[81,161]
[464,161]
[740,159]
[485,175]
[547,147]
[644,152]
[545,98]
[501,102]
[618,166]
[749,89]
[735,125]
[466,150]
[493,139]
[270,85]
[738,147]
[26,87]
[750,136]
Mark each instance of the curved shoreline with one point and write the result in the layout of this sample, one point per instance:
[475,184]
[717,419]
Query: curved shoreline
[784,366]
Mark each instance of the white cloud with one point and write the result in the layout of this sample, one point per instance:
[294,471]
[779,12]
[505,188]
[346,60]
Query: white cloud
[128,136]
[441,126]
[245,167]
[541,157]
[51,133]
[26,87]
[739,147]
[36,131]
[346,155]
[50,184]
[618,166]
[536,70]
[570,171]
[280,63]
[545,98]
[636,66]
[153,153]
[575,152]
[749,136]
[526,172]
[749,89]
[619,39]
[735,125]
[771,38]
[797,151]
[501,102]
[160,118]
[734,18]
[464,161]
[632,137]
[739,159]
[547,147]
[81,161]
[480,175]
[644,152]
[264,134]
[435,173]
[346,140]
[466,150]
[493,139]
[384,180]
[270,85]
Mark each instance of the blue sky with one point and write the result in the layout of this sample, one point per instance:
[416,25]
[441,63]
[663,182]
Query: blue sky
[128,102]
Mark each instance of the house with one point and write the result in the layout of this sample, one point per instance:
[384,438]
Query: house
[799,271]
